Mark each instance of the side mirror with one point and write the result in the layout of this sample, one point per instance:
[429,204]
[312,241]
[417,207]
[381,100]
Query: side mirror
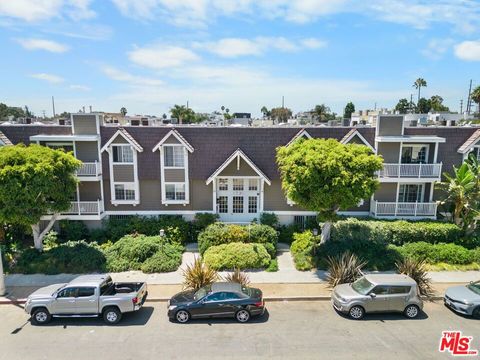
[373,295]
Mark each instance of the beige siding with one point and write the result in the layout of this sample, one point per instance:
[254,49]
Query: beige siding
[244,170]
[390,125]
[174,175]
[274,198]
[123,173]
[356,140]
[387,192]
[172,140]
[85,124]
[89,191]
[87,151]
[119,140]
[201,195]
[389,151]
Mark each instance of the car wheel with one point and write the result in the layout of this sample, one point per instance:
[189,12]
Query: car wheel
[182,316]
[111,315]
[411,311]
[242,316]
[476,312]
[41,316]
[356,312]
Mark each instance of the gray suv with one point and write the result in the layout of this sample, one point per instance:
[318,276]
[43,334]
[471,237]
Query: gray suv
[378,293]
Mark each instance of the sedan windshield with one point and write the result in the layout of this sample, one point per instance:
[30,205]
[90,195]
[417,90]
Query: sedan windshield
[201,293]
[475,287]
[362,286]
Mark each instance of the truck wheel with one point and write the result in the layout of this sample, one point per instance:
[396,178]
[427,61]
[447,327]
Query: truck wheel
[111,315]
[40,316]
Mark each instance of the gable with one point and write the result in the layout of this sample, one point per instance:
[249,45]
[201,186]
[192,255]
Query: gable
[238,168]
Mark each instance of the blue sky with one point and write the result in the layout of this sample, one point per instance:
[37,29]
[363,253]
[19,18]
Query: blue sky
[149,55]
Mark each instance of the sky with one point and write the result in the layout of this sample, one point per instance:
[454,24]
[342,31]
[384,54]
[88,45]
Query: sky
[148,55]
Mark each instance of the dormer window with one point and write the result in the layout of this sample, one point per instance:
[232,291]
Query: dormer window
[174,156]
[122,154]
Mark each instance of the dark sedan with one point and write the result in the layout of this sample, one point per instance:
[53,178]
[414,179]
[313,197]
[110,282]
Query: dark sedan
[220,299]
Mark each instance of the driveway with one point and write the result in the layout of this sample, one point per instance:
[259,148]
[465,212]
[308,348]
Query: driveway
[290,330]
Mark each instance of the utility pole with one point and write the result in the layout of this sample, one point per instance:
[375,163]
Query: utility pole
[187,104]
[53,106]
[283,102]
[469,99]
[2,276]
[43,112]
[461,106]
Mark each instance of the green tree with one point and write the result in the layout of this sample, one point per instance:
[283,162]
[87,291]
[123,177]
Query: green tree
[281,114]
[475,96]
[423,106]
[325,176]
[35,181]
[265,112]
[418,84]
[321,112]
[183,114]
[402,106]
[123,111]
[349,109]
[436,103]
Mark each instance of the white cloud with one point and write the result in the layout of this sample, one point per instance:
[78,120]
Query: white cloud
[436,48]
[43,44]
[235,47]
[161,56]
[38,10]
[468,50]
[79,87]
[53,79]
[118,75]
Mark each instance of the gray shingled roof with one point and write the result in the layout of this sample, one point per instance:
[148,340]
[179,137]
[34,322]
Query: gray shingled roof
[470,142]
[4,139]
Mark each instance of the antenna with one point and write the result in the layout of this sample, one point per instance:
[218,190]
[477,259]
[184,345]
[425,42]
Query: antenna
[187,104]
[53,106]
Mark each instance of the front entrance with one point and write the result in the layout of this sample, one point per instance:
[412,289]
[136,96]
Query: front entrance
[237,198]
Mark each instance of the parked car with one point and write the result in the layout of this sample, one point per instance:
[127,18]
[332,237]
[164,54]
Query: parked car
[378,293]
[86,296]
[464,299]
[221,299]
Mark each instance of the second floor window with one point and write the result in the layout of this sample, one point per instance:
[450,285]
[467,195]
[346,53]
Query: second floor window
[124,192]
[122,154]
[173,156]
[175,191]
[416,154]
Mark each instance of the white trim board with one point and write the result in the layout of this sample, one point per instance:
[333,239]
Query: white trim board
[178,136]
[298,135]
[136,146]
[360,136]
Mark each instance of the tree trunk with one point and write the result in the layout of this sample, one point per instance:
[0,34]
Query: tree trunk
[38,235]
[326,228]
[2,276]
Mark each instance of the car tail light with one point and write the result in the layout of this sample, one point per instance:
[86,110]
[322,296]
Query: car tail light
[259,304]
[135,300]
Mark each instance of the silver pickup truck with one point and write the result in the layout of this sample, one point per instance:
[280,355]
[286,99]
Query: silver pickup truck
[86,296]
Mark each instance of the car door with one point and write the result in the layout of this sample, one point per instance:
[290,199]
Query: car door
[376,300]
[398,297]
[64,303]
[86,301]
[212,305]
[231,302]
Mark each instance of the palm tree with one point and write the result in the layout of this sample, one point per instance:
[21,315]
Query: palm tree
[223,108]
[475,96]
[123,111]
[321,111]
[264,111]
[418,85]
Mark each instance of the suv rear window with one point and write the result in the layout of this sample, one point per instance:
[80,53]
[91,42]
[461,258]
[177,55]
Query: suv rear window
[399,289]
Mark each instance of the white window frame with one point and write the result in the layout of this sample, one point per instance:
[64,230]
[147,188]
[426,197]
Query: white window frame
[123,162]
[476,147]
[416,146]
[165,201]
[422,192]
[175,184]
[127,186]
[175,147]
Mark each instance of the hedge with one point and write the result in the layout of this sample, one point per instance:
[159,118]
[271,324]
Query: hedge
[220,233]
[73,257]
[439,253]
[396,232]
[302,250]
[237,255]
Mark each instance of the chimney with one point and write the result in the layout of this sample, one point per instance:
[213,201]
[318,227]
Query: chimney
[90,108]
[83,109]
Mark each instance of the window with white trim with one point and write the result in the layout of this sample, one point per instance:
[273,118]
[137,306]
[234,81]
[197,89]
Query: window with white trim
[252,204]
[475,151]
[124,192]
[414,154]
[222,204]
[237,204]
[252,184]
[237,185]
[174,191]
[122,154]
[173,156]
[410,193]
[223,184]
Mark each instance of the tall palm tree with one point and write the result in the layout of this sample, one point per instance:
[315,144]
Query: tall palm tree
[123,111]
[264,111]
[418,84]
[321,111]
[475,96]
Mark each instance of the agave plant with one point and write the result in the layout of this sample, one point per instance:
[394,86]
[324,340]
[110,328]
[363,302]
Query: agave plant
[345,268]
[416,269]
[198,275]
[237,276]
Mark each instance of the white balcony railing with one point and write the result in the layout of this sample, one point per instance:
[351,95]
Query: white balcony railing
[85,208]
[89,169]
[405,209]
[411,171]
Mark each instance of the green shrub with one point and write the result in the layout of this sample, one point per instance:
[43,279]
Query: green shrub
[220,233]
[286,233]
[100,236]
[269,219]
[202,220]
[396,232]
[73,257]
[176,228]
[165,260]
[236,255]
[302,250]
[273,266]
[436,253]
[50,240]
[72,230]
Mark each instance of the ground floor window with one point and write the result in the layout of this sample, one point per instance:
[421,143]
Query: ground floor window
[252,204]
[305,221]
[237,204]
[410,193]
[222,204]
[125,191]
[175,191]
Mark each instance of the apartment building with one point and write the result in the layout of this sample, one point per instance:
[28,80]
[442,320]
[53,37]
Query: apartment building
[231,171]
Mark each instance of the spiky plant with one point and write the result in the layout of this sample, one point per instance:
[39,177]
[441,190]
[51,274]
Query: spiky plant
[198,275]
[345,268]
[417,270]
[237,276]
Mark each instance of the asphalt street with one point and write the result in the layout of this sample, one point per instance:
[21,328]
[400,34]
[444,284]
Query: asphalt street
[289,330]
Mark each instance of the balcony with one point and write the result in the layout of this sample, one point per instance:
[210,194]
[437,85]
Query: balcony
[394,172]
[89,169]
[415,209]
[85,208]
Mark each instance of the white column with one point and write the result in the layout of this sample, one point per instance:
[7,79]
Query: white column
[262,195]
[214,198]
[435,153]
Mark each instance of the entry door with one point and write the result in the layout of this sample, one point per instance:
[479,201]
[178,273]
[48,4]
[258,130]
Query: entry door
[238,199]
